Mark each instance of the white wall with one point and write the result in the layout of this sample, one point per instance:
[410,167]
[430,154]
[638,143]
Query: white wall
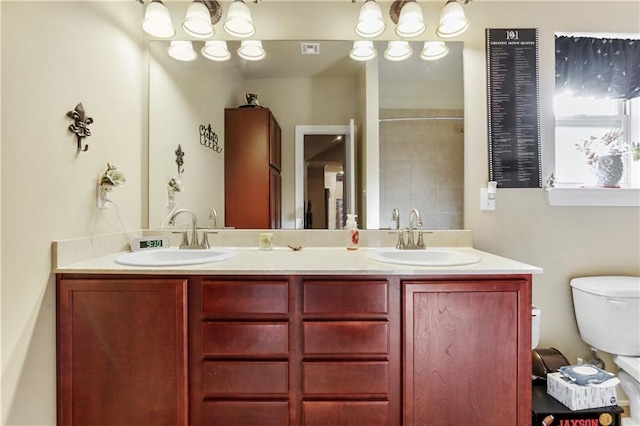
[90,52]
[87,52]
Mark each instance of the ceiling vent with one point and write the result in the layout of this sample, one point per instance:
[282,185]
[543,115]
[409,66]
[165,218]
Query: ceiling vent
[310,48]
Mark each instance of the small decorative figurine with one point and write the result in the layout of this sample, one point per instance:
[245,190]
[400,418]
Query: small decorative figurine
[80,125]
[179,159]
[252,99]
[209,138]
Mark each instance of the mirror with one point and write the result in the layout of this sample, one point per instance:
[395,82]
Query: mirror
[409,113]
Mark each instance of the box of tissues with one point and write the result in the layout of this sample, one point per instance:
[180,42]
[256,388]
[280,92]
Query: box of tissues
[581,387]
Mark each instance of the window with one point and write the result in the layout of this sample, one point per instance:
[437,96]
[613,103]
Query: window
[597,91]
[581,118]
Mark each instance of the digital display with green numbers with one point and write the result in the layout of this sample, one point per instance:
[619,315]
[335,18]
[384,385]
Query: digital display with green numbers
[150,244]
[146,243]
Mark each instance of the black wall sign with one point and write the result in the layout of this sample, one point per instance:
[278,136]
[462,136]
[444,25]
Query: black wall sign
[514,108]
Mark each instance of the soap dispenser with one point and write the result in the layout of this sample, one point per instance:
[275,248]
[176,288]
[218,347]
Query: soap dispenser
[353,232]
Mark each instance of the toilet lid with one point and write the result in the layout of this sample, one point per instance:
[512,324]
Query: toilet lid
[611,286]
[629,364]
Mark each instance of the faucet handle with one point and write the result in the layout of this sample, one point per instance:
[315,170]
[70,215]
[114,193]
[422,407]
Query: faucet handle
[205,238]
[185,238]
[421,243]
[400,244]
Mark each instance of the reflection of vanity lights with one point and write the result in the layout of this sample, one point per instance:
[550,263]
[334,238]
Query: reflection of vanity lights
[434,50]
[216,50]
[398,50]
[363,50]
[182,50]
[251,50]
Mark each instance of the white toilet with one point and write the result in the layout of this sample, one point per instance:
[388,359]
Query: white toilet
[608,315]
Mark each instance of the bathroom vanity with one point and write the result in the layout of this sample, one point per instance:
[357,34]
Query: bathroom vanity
[331,339]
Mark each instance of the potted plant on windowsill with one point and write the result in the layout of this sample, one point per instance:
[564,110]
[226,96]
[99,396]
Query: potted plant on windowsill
[604,155]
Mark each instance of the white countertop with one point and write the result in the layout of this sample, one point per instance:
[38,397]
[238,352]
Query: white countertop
[308,261]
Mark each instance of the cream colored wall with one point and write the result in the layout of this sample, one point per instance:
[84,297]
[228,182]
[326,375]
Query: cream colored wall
[566,241]
[1,352]
[178,106]
[85,52]
[90,52]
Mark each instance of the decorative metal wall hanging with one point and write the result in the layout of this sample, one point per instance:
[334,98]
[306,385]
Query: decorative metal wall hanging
[80,125]
[209,138]
[179,159]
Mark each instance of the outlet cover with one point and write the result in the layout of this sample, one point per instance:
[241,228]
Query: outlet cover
[485,202]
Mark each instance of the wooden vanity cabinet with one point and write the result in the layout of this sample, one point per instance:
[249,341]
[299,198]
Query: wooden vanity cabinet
[121,351]
[294,350]
[467,351]
[350,352]
[252,161]
[241,345]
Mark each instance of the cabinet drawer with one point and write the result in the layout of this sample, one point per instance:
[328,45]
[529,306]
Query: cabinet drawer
[246,413]
[228,379]
[345,297]
[346,378]
[346,413]
[245,339]
[346,337]
[238,297]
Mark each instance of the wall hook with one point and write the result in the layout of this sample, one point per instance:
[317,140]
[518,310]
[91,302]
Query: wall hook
[179,159]
[209,138]
[80,125]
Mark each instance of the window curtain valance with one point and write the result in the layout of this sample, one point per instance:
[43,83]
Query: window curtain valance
[598,67]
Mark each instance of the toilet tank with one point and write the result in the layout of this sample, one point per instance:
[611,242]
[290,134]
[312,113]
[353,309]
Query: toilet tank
[608,313]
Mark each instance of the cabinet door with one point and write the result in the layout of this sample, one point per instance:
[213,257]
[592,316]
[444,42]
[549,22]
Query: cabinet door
[467,353]
[274,143]
[246,168]
[275,199]
[122,352]
[252,157]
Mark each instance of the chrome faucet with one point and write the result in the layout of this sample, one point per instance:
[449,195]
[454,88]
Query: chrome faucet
[411,244]
[213,217]
[194,230]
[395,216]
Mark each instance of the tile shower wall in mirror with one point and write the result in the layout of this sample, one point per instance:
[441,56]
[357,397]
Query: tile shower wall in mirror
[422,166]
[422,141]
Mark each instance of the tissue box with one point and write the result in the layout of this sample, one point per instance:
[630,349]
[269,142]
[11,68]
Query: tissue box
[578,397]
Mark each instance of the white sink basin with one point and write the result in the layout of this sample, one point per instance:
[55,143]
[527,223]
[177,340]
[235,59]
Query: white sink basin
[426,257]
[174,257]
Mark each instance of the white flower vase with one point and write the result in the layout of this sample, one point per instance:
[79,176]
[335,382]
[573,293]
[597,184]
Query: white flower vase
[607,171]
